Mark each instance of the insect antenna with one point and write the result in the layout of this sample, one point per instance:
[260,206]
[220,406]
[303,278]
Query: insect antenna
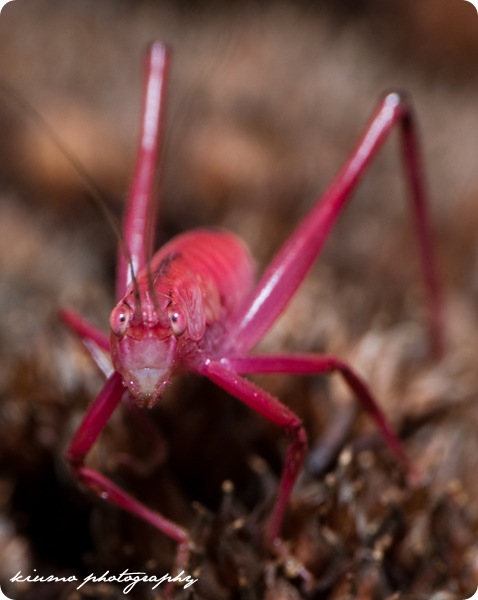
[95,194]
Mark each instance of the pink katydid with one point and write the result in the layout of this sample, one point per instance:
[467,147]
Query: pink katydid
[195,307]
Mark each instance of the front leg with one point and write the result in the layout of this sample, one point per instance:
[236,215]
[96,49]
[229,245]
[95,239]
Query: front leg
[98,344]
[92,425]
[273,410]
[316,364]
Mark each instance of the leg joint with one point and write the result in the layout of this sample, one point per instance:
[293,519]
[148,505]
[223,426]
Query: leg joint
[297,431]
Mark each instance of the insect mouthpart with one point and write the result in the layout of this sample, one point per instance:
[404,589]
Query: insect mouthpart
[146,385]
[145,365]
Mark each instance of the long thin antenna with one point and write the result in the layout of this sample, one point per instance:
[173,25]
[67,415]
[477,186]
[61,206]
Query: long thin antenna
[95,193]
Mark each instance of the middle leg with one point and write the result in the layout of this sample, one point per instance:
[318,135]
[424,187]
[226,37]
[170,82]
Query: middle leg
[315,364]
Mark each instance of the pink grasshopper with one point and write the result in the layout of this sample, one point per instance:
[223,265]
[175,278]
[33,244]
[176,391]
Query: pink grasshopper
[195,307]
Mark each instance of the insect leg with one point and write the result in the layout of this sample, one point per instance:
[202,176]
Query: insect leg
[96,342]
[92,425]
[84,330]
[140,210]
[276,412]
[292,262]
[316,364]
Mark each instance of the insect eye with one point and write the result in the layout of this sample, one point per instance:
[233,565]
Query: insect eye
[119,319]
[178,322]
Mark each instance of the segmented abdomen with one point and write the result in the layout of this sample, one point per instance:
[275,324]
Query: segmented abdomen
[218,257]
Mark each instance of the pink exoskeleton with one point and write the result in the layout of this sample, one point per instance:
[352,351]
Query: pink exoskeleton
[195,306]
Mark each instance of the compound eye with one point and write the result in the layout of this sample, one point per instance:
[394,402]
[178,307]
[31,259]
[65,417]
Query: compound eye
[178,322]
[119,319]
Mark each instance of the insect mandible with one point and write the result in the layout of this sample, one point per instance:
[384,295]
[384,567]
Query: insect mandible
[195,305]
